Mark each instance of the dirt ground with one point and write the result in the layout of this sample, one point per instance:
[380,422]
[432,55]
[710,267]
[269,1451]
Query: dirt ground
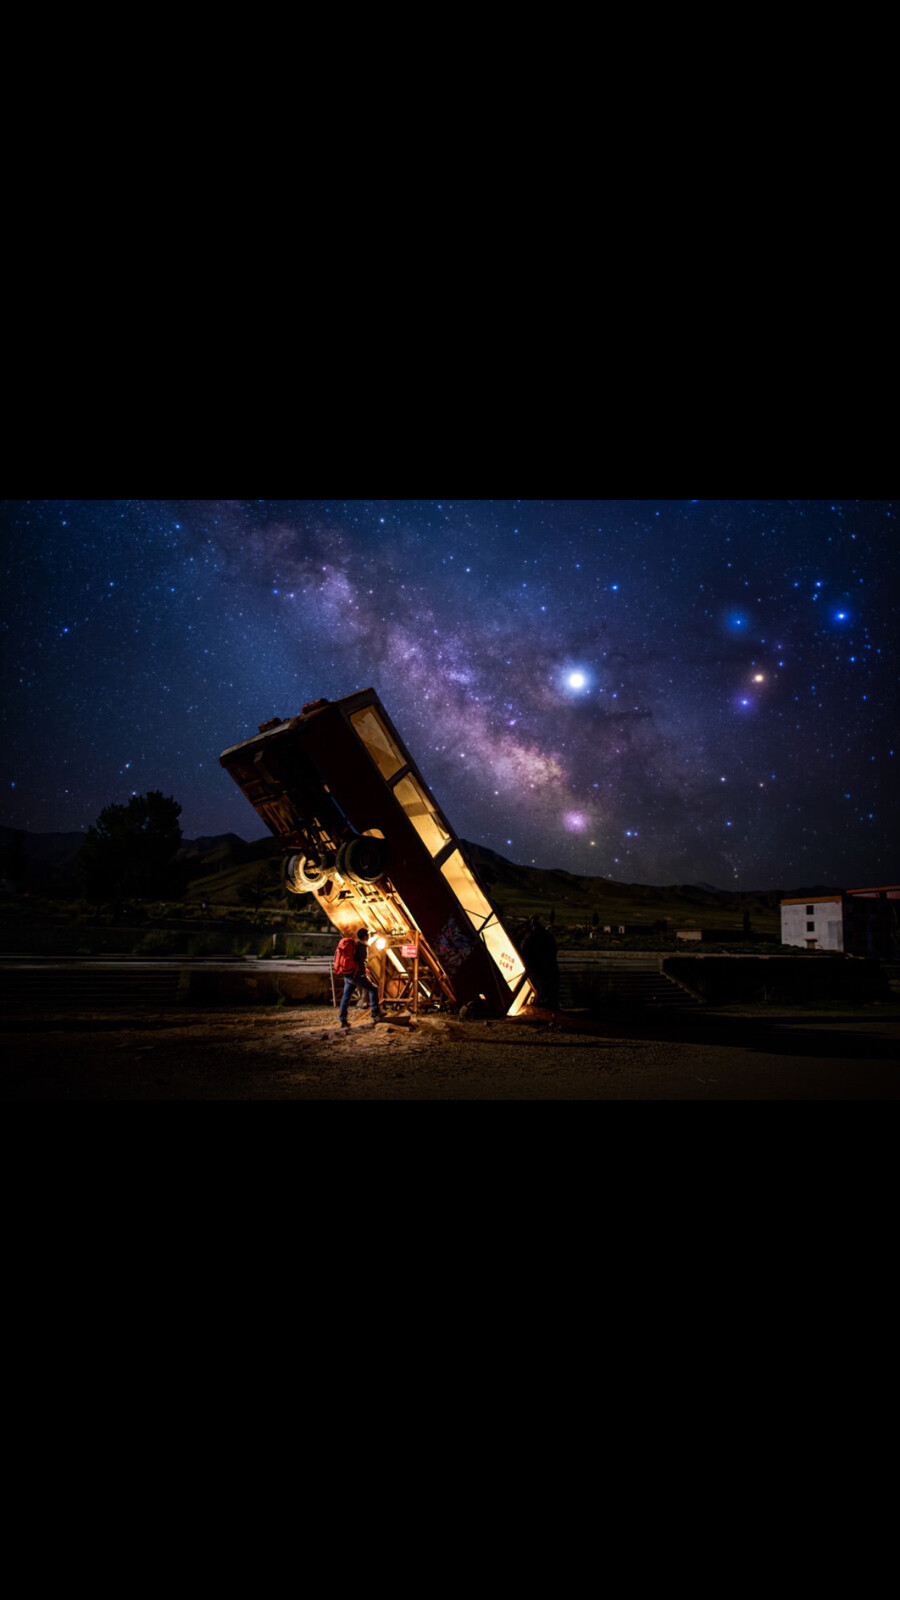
[247,1054]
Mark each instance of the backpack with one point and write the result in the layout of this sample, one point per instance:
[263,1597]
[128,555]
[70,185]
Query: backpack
[345,964]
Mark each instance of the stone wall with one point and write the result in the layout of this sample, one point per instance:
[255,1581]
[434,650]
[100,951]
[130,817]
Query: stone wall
[804,979]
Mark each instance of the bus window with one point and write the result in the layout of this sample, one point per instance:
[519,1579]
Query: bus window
[483,917]
[503,951]
[377,741]
[422,814]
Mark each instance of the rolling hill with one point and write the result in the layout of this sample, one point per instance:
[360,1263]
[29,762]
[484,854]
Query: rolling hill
[225,870]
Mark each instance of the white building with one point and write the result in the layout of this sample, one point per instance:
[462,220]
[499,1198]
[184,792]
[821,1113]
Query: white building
[861,922]
[814,924]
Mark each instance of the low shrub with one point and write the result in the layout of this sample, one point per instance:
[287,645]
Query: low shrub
[209,944]
[156,942]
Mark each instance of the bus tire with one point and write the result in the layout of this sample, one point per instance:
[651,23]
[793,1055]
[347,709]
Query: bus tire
[299,878]
[364,858]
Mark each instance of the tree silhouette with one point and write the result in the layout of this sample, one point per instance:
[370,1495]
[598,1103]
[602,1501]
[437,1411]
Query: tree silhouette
[14,861]
[253,892]
[131,848]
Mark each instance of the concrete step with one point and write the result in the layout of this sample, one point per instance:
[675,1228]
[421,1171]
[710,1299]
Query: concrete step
[88,990]
[646,958]
[585,987]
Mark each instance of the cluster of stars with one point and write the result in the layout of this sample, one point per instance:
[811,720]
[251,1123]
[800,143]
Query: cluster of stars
[573,677]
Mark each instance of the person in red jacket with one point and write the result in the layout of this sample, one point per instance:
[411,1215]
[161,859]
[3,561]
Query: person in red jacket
[360,978]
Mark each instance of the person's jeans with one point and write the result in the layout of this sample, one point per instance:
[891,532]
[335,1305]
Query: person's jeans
[349,985]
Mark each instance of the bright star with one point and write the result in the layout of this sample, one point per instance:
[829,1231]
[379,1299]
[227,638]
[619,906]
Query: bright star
[735,621]
[575,821]
[575,678]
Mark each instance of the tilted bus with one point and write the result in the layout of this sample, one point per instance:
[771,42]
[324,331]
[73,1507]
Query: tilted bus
[362,832]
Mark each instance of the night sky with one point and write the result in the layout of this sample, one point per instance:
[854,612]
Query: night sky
[660,691]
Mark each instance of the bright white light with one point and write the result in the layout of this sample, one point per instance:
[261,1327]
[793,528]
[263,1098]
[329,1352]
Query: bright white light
[575,678]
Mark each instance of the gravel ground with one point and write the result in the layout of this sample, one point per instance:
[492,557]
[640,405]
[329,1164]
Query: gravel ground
[300,1054]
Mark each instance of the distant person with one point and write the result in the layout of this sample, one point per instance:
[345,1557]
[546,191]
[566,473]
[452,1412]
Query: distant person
[540,958]
[350,964]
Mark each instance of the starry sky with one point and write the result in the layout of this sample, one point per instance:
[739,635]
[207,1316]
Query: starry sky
[657,691]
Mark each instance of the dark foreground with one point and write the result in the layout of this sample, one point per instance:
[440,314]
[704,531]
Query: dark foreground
[268,1053]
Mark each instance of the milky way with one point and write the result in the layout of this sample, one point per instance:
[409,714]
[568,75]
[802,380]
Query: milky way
[656,691]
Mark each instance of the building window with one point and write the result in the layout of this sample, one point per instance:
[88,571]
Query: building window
[809,911]
[810,927]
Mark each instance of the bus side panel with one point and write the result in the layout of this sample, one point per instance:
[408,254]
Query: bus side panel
[316,767]
[366,800]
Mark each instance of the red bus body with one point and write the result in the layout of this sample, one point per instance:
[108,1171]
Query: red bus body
[363,833]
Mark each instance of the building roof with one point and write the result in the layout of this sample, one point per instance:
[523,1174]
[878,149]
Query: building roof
[812,899]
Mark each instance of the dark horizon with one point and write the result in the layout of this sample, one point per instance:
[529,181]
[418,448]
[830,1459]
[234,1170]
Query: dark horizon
[757,889]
